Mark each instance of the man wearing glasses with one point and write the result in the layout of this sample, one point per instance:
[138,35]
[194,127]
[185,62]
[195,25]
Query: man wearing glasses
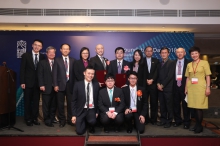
[135,104]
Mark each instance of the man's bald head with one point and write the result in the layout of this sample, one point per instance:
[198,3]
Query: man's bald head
[99,49]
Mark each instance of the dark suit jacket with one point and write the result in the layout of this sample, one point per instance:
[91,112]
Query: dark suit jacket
[59,73]
[45,76]
[140,73]
[166,73]
[153,74]
[79,68]
[113,67]
[142,104]
[183,82]
[96,63]
[28,74]
[104,101]
[79,97]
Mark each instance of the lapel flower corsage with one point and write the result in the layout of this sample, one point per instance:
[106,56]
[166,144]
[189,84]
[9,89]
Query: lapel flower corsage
[139,94]
[117,99]
[126,68]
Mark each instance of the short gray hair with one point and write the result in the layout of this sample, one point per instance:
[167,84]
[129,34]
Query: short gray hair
[50,48]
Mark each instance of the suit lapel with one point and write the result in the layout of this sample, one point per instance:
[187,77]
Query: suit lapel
[62,63]
[48,66]
[106,92]
[32,60]
[99,61]
[115,64]
[129,95]
[83,89]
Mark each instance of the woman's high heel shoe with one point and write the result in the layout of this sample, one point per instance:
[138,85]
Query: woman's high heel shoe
[199,129]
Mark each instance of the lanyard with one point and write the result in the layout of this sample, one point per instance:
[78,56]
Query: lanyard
[194,70]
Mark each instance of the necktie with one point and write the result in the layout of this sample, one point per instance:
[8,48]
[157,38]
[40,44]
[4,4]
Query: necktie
[149,65]
[132,96]
[179,73]
[162,63]
[35,61]
[66,64]
[103,62]
[51,64]
[88,96]
[119,67]
[110,95]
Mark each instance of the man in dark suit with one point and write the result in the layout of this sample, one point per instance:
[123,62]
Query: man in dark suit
[135,104]
[46,86]
[85,102]
[111,105]
[179,90]
[99,62]
[150,84]
[63,81]
[165,87]
[119,65]
[29,83]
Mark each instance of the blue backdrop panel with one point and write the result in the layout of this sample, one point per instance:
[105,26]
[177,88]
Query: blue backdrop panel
[128,40]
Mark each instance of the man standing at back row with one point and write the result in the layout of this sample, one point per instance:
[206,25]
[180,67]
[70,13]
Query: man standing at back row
[150,83]
[63,81]
[29,83]
[98,62]
[179,90]
[165,87]
[45,68]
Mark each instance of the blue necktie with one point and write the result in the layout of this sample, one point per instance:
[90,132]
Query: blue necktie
[110,95]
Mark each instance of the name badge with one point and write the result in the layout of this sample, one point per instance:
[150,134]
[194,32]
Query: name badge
[179,77]
[90,105]
[112,109]
[194,80]
[134,109]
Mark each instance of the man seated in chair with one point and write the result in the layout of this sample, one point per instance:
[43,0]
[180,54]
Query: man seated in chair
[136,104]
[111,105]
[85,102]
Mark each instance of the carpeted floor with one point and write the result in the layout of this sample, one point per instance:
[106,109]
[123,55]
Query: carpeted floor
[150,131]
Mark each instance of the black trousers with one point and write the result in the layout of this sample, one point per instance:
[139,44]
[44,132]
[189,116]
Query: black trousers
[152,94]
[49,104]
[106,121]
[166,106]
[60,104]
[179,97]
[31,103]
[87,116]
[134,116]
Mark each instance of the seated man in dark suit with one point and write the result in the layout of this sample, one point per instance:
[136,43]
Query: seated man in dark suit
[84,103]
[135,104]
[111,105]
[119,65]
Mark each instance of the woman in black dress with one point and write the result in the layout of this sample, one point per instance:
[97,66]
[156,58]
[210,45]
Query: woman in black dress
[81,64]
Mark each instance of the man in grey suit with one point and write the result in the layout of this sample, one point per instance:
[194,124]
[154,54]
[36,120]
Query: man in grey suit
[63,81]
[46,86]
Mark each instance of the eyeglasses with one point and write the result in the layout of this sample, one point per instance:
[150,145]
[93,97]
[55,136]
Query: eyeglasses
[133,78]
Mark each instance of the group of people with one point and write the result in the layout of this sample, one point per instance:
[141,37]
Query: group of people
[88,100]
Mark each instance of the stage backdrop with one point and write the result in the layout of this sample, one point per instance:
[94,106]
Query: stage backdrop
[14,43]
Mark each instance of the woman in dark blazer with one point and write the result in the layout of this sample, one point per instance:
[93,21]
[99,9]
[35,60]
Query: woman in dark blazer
[81,64]
[137,65]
